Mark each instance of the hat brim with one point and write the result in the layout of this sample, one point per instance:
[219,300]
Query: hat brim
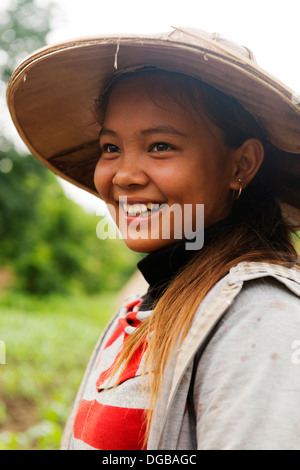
[51,95]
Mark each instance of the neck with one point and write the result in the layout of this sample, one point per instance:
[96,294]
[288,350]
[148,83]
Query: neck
[160,267]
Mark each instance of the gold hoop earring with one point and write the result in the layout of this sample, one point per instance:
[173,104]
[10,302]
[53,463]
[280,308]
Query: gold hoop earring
[239,192]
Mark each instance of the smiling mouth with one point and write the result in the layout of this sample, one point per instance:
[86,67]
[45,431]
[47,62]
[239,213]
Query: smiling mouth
[141,209]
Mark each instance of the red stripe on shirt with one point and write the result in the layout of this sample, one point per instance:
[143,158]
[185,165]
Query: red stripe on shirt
[130,369]
[104,427]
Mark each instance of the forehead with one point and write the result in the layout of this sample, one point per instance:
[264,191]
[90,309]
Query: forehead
[163,94]
[143,103]
[168,85]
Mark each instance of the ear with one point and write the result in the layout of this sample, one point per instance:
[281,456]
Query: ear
[247,160]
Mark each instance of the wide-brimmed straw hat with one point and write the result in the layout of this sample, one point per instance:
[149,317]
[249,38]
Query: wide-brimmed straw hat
[51,96]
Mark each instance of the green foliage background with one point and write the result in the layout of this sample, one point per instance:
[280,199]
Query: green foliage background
[48,345]
[63,280]
[47,242]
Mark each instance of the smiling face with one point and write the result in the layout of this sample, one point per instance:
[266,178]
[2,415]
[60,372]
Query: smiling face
[157,153]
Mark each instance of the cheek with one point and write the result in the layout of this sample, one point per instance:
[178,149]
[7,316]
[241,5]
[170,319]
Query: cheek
[102,180]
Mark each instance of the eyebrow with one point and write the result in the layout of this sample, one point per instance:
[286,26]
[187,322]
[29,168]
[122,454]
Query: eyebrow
[105,131]
[163,129]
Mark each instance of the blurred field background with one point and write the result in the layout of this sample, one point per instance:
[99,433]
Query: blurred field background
[59,283]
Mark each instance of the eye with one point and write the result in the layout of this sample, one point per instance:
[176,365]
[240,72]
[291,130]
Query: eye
[110,148]
[161,147]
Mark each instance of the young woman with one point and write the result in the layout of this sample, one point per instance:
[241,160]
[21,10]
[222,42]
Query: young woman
[207,357]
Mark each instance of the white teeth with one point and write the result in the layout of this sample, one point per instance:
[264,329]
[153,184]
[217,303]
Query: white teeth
[140,209]
[152,207]
[137,209]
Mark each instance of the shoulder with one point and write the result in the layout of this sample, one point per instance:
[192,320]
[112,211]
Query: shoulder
[269,293]
[253,292]
[263,321]
[247,383]
[266,296]
[268,300]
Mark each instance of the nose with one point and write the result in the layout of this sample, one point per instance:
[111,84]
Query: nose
[129,172]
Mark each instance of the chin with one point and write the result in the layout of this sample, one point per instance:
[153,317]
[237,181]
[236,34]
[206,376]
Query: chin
[147,245]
